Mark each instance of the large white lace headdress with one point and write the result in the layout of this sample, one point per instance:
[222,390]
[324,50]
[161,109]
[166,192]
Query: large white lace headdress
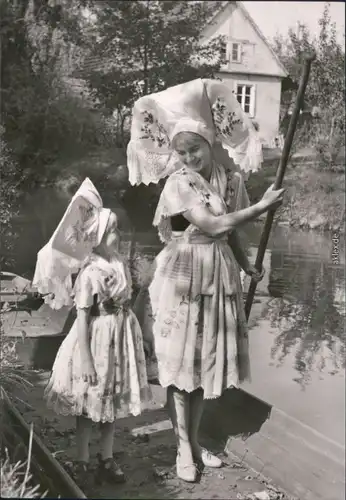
[203,106]
[80,230]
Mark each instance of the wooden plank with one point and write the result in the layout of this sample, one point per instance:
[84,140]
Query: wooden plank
[298,436]
[298,458]
[276,474]
[293,473]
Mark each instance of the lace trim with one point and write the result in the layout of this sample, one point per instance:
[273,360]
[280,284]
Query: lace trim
[98,409]
[157,165]
[193,387]
[57,292]
[248,155]
[53,276]
[185,191]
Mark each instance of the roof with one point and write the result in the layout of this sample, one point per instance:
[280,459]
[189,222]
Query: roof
[260,34]
[242,8]
[217,10]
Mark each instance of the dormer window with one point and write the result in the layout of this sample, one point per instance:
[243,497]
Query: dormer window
[236,52]
[223,54]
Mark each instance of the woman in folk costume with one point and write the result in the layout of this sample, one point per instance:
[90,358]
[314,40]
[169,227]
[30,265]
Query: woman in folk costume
[195,316]
[99,372]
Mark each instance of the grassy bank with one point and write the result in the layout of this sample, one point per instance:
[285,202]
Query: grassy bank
[16,480]
[315,198]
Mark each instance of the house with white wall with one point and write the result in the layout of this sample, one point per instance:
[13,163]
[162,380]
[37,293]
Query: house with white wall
[251,68]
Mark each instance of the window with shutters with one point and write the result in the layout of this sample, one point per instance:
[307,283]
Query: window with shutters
[246,97]
[236,52]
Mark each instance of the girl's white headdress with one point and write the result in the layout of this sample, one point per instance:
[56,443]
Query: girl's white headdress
[206,107]
[80,230]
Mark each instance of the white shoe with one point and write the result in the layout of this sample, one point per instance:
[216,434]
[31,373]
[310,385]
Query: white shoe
[187,472]
[210,460]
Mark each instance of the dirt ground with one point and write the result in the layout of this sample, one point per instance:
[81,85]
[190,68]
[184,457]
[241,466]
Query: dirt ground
[145,448]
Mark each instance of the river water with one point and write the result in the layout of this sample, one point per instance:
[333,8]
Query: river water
[297,324]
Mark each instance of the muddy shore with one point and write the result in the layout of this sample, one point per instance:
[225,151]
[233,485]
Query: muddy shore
[145,447]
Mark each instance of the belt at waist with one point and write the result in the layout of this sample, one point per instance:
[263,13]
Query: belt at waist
[107,310]
[197,238]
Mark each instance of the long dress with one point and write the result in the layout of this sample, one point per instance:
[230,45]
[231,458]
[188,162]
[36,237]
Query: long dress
[194,310]
[116,347]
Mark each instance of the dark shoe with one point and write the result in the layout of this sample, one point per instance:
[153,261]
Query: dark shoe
[109,471]
[80,472]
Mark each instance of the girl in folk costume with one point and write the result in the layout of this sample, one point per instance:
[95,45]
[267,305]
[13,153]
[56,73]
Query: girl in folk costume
[99,372]
[193,312]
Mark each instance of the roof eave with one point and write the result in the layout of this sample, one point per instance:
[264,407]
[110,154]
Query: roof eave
[260,34]
[255,73]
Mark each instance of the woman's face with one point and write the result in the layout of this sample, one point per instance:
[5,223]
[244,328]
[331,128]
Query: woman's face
[111,237]
[194,151]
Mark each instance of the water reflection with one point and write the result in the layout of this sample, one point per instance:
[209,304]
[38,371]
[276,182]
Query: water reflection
[297,332]
[307,310]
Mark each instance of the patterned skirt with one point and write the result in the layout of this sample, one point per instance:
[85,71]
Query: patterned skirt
[122,387]
[193,311]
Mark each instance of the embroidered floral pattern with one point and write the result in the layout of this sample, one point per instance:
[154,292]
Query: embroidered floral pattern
[77,232]
[224,120]
[198,187]
[160,137]
[230,192]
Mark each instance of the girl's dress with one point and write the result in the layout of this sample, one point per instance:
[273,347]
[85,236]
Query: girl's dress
[194,309]
[116,348]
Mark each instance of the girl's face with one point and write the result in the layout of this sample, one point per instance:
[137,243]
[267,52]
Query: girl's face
[194,151]
[111,237]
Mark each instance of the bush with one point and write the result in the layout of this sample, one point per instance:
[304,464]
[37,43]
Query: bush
[16,482]
[53,125]
[9,193]
[45,114]
[12,373]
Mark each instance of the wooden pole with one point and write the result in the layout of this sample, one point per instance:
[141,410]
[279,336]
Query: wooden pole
[280,175]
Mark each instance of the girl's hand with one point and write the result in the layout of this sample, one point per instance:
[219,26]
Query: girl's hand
[254,273]
[273,197]
[88,372]
[111,280]
[148,348]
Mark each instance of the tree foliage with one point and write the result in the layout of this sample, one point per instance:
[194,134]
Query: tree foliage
[139,47]
[325,93]
[145,46]
[8,197]
[42,119]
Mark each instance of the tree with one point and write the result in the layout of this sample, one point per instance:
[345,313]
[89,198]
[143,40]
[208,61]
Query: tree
[145,46]
[325,92]
[41,119]
[43,126]
[8,200]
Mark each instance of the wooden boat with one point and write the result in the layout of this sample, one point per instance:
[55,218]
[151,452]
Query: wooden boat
[26,318]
